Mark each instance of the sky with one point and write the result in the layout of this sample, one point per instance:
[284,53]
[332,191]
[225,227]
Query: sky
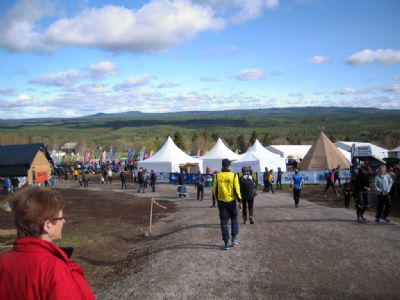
[81,57]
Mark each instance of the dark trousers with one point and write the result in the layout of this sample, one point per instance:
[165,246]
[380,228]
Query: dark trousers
[123,183]
[85,183]
[266,186]
[153,186]
[296,196]
[347,196]
[362,203]
[141,187]
[328,184]
[382,206]
[228,210]
[279,183]
[248,204]
[200,191]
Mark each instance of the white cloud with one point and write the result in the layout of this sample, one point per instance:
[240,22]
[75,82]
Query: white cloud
[208,79]
[24,97]
[6,91]
[168,84]
[91,89]
[318,59]
[397,77]
[17,26]
[380,56]
[250,74]
[102,69]
[156,26]
[66,78]
[347,91]
[240,11]
[134,82]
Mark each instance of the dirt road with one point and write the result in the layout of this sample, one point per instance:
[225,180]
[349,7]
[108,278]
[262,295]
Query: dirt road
[313,252]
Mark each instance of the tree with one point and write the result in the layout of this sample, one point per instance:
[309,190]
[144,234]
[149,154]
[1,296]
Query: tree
[178,140]
[253,137]
[241,143]
[215,136]
[266,140]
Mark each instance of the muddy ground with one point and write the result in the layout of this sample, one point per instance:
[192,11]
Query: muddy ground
[106,227]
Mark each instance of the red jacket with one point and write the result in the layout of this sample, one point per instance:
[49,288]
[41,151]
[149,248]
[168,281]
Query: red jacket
[36,269]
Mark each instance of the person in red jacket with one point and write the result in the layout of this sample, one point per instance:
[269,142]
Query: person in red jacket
[36,268]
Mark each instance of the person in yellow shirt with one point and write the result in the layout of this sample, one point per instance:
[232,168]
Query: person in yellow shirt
[226,190]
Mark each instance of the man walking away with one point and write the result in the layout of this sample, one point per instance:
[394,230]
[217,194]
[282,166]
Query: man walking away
[123,179]
[85,178]
[337,175]
[279,179]
[265,179]
[226,189]
[363,192]
[141,181]
[200,186]
[297,184]
[153,179]
[247,190]
[330,179]
[382,184]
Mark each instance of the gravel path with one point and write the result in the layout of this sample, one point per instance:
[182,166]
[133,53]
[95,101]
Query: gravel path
[312,252]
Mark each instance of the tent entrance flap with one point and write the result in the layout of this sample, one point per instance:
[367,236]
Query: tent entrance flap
[190,168]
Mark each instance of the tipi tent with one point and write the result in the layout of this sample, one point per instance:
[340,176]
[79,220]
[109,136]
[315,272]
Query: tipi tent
[323,154]
[258,158]
[213,158]
[168,159]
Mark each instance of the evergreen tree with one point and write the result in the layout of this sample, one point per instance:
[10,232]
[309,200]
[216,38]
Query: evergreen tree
[266,140]
[179,141]
[253,137]
[215,136]
[241,143]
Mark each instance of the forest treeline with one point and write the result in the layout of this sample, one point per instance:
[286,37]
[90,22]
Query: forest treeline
[195,132]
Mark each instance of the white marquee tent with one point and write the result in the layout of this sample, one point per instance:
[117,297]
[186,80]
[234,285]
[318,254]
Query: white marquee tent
[258,158]
[213,158]
[168,159]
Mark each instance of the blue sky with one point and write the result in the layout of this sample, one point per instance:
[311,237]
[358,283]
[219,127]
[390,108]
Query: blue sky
[80,57]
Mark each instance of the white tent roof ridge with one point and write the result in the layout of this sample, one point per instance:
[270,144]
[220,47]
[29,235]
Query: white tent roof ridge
[220,151]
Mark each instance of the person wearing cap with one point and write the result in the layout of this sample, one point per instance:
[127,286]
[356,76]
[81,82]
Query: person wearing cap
[297,184]
[226,190]
[248,191]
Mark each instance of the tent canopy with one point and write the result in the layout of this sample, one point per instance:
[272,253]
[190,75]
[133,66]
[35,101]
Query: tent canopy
[258,158]
[323,154]
[213,158]
[169,159]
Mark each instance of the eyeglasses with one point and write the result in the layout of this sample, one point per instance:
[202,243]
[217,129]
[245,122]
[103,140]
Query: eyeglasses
[59,219]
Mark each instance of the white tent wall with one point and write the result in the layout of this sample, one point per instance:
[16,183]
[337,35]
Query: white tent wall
[159,167]
[212,164]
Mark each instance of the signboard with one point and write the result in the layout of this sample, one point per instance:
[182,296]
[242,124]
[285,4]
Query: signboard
[40,174]
[362,151]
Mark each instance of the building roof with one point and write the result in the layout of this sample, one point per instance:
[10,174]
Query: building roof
[323,154]
[69,146]
[15,160]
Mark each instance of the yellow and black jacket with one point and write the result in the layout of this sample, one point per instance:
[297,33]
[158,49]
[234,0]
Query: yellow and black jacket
[226,187]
